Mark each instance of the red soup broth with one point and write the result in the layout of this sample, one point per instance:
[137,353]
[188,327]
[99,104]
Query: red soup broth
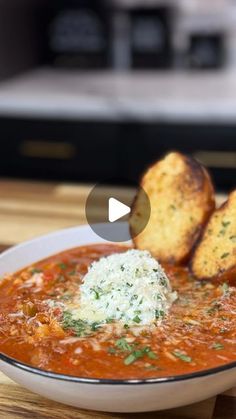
[198,333]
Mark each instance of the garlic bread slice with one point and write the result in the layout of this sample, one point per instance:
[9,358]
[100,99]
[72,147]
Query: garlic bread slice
[215,255]
[182,198]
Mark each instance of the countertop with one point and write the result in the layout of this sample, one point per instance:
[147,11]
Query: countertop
[28,209]
[170,96]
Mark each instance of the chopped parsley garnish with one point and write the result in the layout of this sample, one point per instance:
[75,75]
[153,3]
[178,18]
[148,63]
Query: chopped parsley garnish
[217,346]
[163,282]
[66,296]
[62,265]
[139,353]
[225,223]
[97,295]
[133,357]
[182,356]
[224,255]
[72,273]
[79,327]
[136,319]
[215,307]
[111,350]
[109,320]
[224,288]
[35,270]
[233,238]
[95,326]
[151,355]
[159,314]
[134,351]
[123,345]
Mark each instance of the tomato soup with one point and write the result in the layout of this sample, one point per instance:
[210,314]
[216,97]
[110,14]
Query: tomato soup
[198,333]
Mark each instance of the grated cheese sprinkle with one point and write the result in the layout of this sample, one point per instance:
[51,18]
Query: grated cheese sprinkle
[129,287]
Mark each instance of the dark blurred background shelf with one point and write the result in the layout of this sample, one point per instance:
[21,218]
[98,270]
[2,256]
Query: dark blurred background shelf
[46,149]
[94,90]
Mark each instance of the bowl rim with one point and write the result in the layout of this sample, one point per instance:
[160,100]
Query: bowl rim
[110,381]
[105,381]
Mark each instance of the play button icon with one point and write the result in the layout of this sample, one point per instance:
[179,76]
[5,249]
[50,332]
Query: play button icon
[116,210]
[108,209]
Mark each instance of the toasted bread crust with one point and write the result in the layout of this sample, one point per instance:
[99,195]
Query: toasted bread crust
[215,256]
[182,198]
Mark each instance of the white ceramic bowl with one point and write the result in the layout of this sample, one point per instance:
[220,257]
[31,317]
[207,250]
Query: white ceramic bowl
[98,394]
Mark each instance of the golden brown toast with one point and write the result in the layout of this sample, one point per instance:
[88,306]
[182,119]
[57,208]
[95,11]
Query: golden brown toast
[215,255]
[182,198]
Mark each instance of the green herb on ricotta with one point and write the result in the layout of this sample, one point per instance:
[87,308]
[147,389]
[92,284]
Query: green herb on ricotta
[129,287]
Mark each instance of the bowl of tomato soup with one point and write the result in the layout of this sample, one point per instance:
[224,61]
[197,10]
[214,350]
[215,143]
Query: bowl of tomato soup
[136,346]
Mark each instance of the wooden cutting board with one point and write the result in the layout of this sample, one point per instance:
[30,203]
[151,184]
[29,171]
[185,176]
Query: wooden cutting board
[28,209]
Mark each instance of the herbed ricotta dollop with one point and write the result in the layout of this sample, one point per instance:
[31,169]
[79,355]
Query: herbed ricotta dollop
[129,287]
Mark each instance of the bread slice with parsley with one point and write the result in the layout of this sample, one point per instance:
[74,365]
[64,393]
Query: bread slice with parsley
[215,255]
[182,198]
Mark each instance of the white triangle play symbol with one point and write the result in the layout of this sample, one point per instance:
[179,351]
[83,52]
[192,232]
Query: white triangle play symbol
[116,209]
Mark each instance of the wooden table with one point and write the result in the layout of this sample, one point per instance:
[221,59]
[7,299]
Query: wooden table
[28,209]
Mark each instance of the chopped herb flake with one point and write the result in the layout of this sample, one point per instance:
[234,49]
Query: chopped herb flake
[35,270]
[217,346]
[79,327]
[109,320]
[224,255]
[97,296]
[132,357]
[62,265]
[182,356]
[225,223]
[136,319]
[95,326]
[72,273]
[159,314]
[151,355]
[224,288]
[139,353]
[123,345]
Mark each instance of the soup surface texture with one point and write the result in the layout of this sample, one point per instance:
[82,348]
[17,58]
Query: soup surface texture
[36,327]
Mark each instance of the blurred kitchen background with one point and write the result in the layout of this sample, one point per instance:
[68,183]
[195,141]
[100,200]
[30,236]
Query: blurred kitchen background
[96,89]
